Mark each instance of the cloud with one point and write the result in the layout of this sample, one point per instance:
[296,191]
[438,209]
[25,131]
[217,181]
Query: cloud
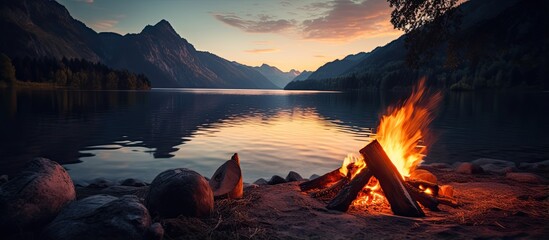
[104,25]
[319,56]
[263,23]
[347,20]
[262,50]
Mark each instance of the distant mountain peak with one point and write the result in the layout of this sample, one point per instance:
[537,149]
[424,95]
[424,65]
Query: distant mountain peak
[163,26]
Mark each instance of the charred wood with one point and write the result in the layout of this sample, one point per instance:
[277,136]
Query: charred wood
[390,180]
[348,194]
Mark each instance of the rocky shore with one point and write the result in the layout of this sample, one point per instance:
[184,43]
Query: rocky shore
[497,199]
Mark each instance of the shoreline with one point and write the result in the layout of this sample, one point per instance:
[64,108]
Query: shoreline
[497,202]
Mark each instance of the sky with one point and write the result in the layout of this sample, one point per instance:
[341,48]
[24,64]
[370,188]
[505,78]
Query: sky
[301,35]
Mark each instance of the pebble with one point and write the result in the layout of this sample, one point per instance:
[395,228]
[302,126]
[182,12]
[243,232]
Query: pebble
[276,180]
[495,166]
[293,176]
[469,168]
[261,181]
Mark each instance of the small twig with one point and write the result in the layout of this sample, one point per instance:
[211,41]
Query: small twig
[496,222]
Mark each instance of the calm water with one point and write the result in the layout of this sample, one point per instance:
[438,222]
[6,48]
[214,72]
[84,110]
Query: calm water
[139,134]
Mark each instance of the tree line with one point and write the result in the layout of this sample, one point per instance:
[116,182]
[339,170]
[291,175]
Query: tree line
[69,73]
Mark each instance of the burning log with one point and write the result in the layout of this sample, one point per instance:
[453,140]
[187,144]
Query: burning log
[322,181]
[420,183]
[423,198]
[332,190]
[349,193]
[390,180]
[448,201]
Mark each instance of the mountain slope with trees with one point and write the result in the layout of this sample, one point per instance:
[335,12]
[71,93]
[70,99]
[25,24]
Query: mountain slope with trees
[505,47]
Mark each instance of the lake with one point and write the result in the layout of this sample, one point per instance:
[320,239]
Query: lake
[121,134]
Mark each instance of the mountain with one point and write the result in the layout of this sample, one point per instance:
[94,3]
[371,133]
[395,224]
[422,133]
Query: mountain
[338,67]
[303,76]
[43,28]
[500,44]
[277,76]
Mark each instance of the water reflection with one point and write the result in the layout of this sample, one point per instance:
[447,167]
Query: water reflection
[138,134]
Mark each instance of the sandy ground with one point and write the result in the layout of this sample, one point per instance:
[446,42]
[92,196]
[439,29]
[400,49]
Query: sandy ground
[490,207]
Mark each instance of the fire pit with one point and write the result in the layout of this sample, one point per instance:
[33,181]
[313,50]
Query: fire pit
[384,168]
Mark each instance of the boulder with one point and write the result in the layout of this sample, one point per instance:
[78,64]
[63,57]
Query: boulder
[101,183]
[293,176]
[261,181]
[276,180]
[495,166]
[227,179]
[101,217]
[469,168]
[422,174]
[525,177]
[36,196]
[132,182]
[180,191]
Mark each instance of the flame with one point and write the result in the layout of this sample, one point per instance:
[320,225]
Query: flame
[401,131]
[352,164]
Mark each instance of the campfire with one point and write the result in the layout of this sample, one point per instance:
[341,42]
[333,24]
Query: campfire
[386,169]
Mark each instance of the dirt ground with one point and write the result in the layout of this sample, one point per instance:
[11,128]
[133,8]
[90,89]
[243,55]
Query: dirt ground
[490,207]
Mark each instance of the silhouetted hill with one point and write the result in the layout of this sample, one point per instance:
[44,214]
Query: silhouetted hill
[304,75]
[338,67]
[277,76]
[501,44]
[43,28]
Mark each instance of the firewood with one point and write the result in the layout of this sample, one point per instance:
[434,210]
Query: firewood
[390,180]
[348,194]
[332,190]
[416,183]
[423,198]
[322,181]
[448,201]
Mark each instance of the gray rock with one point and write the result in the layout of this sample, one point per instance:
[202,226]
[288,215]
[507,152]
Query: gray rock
[101,217]
[101,183]
[275,179]
[132,182]
[261,181]
[525,177]
[180,191]
[537,166]
[313,176]
[495,166]
[36,196]
[293,176]
[469,168]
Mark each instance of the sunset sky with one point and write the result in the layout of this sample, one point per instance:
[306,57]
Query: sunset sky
[302,34]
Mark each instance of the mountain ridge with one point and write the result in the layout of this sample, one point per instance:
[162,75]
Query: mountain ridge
[40,28]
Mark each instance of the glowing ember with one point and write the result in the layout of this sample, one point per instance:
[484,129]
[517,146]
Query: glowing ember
[400,133]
